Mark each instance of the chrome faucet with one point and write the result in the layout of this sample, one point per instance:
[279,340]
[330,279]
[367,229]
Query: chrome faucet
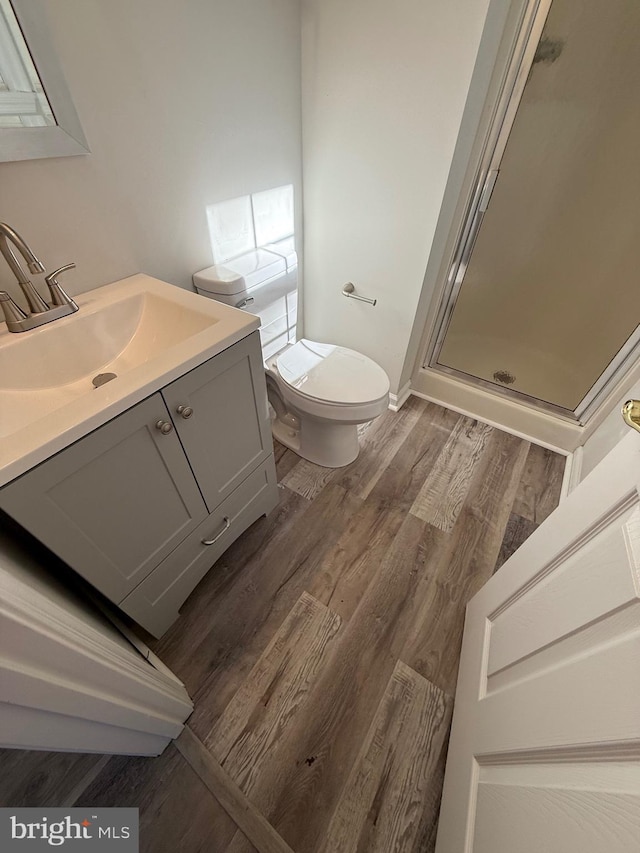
[40,311]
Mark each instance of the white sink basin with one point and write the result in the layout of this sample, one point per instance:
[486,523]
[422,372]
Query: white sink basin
[143,330]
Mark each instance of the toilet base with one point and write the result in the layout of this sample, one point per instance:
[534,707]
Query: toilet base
[326,444]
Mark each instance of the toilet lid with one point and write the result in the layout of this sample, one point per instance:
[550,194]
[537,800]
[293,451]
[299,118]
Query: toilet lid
[333,374]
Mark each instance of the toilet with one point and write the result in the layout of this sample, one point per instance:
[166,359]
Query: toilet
[319,392]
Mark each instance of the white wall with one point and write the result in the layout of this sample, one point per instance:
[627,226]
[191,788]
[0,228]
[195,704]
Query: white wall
[183,104]
[384,87]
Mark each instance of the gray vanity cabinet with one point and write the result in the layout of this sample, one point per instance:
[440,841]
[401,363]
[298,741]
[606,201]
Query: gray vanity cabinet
[226,433]
[114,504]
[144,505]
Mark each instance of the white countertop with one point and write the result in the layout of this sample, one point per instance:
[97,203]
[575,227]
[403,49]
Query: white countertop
[146,331]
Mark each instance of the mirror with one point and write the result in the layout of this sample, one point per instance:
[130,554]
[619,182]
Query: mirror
[37,116]
[23,102]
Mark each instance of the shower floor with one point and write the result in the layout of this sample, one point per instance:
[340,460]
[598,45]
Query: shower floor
[530,371]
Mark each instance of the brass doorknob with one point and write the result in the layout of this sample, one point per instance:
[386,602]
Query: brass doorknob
[164,426]
[185,411]
[631,413]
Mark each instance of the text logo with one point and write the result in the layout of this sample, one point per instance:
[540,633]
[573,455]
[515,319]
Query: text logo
[37,829]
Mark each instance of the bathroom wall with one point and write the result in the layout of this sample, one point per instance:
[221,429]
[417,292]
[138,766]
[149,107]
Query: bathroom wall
[384,87]
[183,104]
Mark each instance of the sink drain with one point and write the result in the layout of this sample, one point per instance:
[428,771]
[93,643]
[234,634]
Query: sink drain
[103,378]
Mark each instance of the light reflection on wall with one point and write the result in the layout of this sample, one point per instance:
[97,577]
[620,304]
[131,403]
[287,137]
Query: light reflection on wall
[241,231]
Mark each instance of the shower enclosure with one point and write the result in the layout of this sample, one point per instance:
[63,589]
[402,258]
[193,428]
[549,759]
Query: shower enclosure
[543,296]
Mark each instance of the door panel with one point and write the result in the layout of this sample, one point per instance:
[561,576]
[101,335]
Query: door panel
[545,746]
[586,587]
[529,808]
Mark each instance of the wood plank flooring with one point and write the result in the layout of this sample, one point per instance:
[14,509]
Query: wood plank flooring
[388,797]
[322,650]
[177,811]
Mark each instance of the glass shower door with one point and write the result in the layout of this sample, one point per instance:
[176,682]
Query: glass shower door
[551,291]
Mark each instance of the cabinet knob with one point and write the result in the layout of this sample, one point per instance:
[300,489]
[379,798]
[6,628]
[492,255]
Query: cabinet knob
[185,411]
[164,426]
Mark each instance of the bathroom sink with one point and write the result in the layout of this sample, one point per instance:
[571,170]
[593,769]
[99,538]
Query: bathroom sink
[133,336]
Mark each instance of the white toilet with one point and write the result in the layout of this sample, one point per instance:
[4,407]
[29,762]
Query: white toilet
[319,393]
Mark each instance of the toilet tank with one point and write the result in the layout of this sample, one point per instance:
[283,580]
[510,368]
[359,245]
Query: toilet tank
[263,281]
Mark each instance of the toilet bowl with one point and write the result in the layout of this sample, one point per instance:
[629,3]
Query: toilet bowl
[320,393]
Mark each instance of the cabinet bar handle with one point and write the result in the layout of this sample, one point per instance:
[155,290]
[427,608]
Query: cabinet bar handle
[185,411]
[227,524]
[164,426]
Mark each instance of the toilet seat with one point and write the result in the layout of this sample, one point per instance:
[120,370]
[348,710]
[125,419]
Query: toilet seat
[331,375]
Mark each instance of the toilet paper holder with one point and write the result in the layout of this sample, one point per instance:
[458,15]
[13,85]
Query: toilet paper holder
[349,291]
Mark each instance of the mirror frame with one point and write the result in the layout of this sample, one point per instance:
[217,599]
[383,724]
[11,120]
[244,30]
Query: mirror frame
[64,139]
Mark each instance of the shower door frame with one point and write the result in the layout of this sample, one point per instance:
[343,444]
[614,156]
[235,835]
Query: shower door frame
[515,79]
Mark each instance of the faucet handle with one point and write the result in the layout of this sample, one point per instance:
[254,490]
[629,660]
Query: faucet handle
[58,294]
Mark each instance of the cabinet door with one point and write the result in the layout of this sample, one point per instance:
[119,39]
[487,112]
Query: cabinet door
[154,604]
[114,504]
[228,434]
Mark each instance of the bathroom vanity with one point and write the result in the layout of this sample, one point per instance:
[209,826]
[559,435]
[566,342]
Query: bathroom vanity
[144,504]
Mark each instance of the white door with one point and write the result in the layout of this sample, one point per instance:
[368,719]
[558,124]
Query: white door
[545,746]
[68,679]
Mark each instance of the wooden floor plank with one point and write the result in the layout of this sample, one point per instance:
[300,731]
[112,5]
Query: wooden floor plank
[83,783]
[243,620]
[285,460]
[539,489]
[346,570]
[177,812]
[181,648]
[433,645]
[517,532]
[378,447]
[379,442]
[385,803]
[403,477]
[299,791]
[31,778]
[343,576]
[308,479]
[432,799]
[257,830]
[443,493]
[257,717]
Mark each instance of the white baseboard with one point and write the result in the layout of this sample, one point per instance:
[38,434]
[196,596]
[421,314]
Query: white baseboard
[397,401]
[504,427]
[137,643]
[572,472]
[550,431]
[33,728]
